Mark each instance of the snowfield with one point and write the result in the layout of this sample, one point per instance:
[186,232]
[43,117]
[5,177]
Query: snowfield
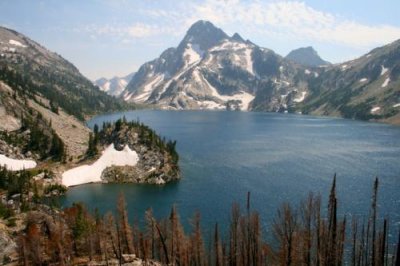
[92,173]
[363,80]
[16,165]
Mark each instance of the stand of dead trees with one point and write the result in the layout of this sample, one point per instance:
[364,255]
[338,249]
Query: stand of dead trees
[301,236]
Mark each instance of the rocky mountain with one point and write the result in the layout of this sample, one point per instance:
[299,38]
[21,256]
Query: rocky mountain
[29,67]
[366,88]
[114,86]
[211,70]
[306,56]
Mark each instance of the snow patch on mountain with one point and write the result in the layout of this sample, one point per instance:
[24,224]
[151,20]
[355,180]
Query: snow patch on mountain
[396,105]
[375,109]
[386,82]
[384,70]
[249,61]
[16,165]
[229,45]
[148,88]
[245,97]
[16,43]
[192,54]
[363,80]
[301,98]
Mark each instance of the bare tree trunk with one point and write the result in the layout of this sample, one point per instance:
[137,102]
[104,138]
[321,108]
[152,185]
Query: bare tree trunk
[354,241]
[374,244]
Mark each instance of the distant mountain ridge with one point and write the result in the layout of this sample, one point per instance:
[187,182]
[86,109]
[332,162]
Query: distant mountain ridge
[306,56]
[211,70]
[114,86]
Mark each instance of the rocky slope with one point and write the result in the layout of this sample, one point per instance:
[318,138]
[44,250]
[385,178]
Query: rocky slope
[211,70]
[114,86]
[158,159]
[366,88]
[306,56]
[31,68]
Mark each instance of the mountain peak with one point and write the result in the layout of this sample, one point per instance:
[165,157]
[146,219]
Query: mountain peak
[237,37]
[307,56]
[205,34]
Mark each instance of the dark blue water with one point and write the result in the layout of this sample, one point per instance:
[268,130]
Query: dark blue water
[277,157]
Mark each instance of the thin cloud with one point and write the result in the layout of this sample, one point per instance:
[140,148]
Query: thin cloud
[290,20]
[293,19]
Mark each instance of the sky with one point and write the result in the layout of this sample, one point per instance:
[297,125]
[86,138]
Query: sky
[106,38]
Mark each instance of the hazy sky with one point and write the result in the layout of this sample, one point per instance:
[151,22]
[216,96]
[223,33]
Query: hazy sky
[114,37]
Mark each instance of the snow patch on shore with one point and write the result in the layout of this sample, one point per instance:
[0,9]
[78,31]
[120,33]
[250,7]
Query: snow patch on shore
[16,165]
[92,173]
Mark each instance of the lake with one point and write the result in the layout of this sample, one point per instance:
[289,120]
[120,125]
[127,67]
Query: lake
[277,157]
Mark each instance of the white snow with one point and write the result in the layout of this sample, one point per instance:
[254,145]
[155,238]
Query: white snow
[316,75]
[196,76]
[16,43]
[363,80]
[307,72]
[375,109]
[236,59]
[301,98]
[249,61]
[244,97]
[192,54]
[16,165]
[148,88]
[384,70]
[396,105]
[368,55]
[106,86]
[281,68]
[344,67]
[211,105]
[208,60]
[386,82]
[228,45]
[128,96]
[92,173]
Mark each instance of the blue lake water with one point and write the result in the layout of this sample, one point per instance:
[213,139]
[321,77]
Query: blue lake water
[277,157]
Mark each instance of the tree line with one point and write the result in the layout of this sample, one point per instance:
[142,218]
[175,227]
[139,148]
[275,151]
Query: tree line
[110,132]
[302,235]
[76,95]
